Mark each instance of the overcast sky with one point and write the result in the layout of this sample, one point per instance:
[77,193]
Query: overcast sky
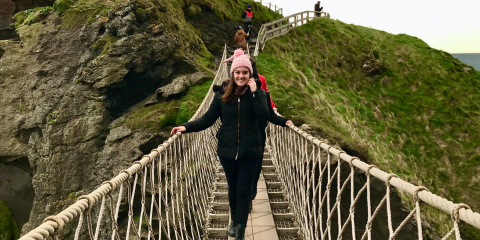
[452,26]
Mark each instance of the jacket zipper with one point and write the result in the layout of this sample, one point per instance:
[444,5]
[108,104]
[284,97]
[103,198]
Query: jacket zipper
[238,130]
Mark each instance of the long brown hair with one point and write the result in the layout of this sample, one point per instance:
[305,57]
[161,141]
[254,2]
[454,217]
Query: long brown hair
[230,95]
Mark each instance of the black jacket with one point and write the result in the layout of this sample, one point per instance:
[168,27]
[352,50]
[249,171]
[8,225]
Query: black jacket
[318,8]
[239,135]
[273,117]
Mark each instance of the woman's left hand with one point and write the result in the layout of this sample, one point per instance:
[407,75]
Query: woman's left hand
[289,122]
[253,85]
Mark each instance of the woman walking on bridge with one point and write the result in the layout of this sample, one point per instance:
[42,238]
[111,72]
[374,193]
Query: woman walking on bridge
[239,106]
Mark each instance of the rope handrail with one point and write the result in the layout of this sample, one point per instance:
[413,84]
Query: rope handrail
[310,169]
[467,215]
[54,223]
[279,10]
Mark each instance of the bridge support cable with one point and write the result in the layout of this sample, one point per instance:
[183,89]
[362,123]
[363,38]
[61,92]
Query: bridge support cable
[317,178]
[166,193]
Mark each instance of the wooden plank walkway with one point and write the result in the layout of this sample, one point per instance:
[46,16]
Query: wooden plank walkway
[260,225]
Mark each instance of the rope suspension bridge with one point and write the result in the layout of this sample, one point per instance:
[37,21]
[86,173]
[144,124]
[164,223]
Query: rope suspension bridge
[308,190]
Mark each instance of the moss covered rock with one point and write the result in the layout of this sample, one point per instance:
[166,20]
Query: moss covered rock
[8,227]
[61,6]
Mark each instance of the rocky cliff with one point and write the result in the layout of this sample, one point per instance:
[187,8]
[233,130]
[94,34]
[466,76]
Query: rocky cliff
[73,87]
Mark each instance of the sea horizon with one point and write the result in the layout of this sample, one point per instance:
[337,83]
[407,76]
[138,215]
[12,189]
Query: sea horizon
[472,59]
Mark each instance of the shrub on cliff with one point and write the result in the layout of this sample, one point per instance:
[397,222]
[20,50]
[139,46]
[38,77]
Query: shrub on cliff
[61,6]
[8,227]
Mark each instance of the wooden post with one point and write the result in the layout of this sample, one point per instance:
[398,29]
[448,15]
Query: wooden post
[275,8]
[302,19]
[270,6]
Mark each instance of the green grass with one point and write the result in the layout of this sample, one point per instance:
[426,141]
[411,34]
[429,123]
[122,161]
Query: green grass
[29,16]
[163,116]
[232,10]
[103,44]
[19,18]
[81,12]
[419,118]
[60,6]
[9,229]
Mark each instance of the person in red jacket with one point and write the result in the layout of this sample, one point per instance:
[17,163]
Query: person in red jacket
[248,17]
[264,87]
[263,80]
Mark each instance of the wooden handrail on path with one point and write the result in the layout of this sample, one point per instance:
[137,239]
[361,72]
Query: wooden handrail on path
[279,27]
[269,5]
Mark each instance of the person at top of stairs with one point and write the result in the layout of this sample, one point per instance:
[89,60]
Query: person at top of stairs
[248,17]
[241,38]
[240,106]
[239,52]
[318,9]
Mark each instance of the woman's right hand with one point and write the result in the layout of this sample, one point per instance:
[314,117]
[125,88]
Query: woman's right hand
[178,129]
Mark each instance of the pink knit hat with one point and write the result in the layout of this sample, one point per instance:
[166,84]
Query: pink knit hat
[241,61]
[238,53]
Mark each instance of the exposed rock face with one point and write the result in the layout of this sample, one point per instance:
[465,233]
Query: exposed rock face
[60,99]
[179,85]
[16,188]
[371,66]
[8,34]
[7,8]
[118,133]
[21,5]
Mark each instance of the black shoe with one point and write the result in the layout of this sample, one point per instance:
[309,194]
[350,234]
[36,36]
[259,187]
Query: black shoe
[232,229]
[240,231]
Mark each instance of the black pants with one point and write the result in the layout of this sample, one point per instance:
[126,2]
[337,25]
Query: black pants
[318,14]
[258,170]
[240,175]
[246,29]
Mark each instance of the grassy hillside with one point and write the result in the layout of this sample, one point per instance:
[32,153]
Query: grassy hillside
[389,99]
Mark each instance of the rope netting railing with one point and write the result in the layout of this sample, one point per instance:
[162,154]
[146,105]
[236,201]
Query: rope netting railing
[165,195]
[326,187]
